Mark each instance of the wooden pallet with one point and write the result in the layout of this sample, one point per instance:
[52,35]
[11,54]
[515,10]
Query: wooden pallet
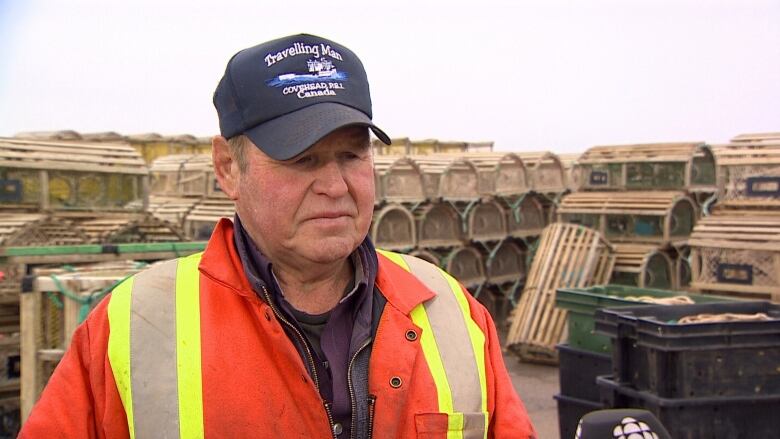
[658,217]
[568,256]
[47,326]
[737,253]
[688,166]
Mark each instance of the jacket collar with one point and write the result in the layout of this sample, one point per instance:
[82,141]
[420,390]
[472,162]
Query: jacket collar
[222,263]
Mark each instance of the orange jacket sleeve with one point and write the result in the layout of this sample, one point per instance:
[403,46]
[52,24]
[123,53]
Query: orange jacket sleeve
[509,416]
[80,399]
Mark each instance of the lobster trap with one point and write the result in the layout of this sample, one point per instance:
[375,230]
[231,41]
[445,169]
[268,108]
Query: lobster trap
[644,266]
[737,253]
[658,166]
[750,174]
[656,217]
[54,175]
[394,228]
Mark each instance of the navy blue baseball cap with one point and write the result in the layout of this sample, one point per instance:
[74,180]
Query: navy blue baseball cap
[288,93]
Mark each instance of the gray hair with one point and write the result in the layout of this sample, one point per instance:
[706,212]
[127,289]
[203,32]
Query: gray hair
[237,145]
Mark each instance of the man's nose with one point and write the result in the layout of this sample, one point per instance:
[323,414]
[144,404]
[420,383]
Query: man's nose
[330,180]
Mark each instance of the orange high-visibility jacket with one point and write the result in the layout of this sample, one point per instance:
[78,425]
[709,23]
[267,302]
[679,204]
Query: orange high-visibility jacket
[254,382]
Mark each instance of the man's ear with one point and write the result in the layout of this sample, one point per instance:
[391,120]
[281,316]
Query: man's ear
[225,166]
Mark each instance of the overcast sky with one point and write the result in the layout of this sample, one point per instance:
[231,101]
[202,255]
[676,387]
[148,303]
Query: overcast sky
[535,75]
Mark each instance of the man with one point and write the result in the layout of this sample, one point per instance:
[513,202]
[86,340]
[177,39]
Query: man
[290,324]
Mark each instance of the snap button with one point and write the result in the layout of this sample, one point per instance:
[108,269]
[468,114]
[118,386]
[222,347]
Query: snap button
[337,428]
[411,335]
[395,382]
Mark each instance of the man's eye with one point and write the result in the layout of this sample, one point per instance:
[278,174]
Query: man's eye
[303,161]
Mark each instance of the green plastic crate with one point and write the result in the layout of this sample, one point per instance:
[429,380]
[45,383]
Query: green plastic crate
[582,303]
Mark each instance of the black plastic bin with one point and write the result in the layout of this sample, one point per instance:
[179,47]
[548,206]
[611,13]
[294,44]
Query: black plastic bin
[744,417]
[652,352]
[570,410]
[578,370]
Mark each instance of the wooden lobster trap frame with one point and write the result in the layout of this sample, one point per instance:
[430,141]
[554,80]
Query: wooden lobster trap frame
[644,266]
[569,255]
[663,218]
[17,229]
[151,146]
[172,209]
[394,228]
[486,222]
[54,175]
[505,264]
[114,228]
[398,180]
[51,311]
[202,219]
[688,166]
[525,215]
[750,173]
[500,174]
[439,225]
[398,147]
[546,171]
[448,178]
[184,175]
[467,266]
[737,253]
[572,169]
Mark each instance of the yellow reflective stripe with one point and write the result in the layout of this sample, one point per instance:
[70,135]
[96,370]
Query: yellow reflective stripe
[433,358]
[119,346]
[454,425]
[475,334]
[395,257]
[455,420]
[188,353]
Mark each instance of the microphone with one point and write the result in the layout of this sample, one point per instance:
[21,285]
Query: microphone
[621,424]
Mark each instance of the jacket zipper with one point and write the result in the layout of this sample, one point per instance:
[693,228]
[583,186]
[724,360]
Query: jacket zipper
[351,390]
[309,356]
[371,408]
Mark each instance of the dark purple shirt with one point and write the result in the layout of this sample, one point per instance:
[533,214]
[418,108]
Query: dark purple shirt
[346,327]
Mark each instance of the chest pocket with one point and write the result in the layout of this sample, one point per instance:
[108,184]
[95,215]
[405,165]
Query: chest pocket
[450,426]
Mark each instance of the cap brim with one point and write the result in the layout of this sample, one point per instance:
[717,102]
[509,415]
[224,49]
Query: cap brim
[289,135]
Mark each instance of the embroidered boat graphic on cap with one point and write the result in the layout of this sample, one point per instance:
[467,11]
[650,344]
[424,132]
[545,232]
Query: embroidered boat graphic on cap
[320,70]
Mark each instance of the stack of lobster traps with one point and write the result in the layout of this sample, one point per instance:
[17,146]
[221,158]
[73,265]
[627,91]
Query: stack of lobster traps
[150,145]
[185,191]
[736,250]
[475,214]
[643,202]
[645,199]
[63,197]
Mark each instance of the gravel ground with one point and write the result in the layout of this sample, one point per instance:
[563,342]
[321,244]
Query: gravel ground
[536,385]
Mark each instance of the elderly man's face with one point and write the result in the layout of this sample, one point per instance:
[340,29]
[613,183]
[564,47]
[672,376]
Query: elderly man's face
[315,207]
